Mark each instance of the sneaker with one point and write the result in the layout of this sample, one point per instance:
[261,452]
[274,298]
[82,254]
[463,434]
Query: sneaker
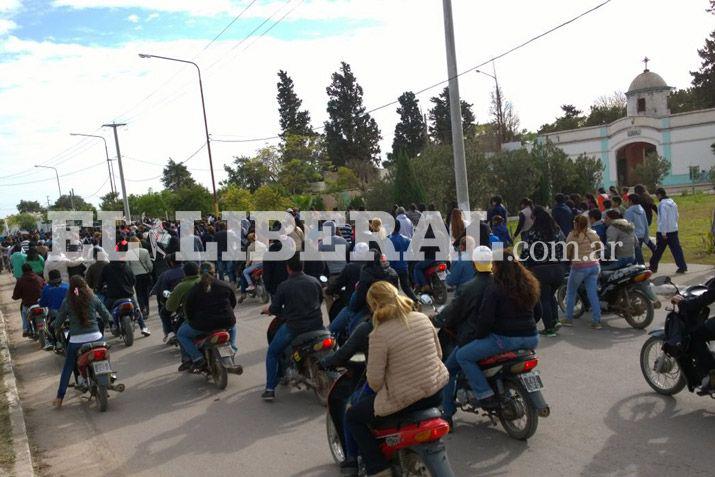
[198,366]
[25,334]
[566,322]
[596,326]
[550,333]
[241,298]
[681,271]
[146,332]
[169,337]
[185,366]
[48,347]
[268,395]
[251,288]
[557,325]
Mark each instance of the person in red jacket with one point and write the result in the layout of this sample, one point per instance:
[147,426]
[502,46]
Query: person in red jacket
[28,290]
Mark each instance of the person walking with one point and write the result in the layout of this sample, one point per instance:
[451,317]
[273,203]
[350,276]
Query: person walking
[636,215]
[667,235]
[562,214]
[584,249]
[140,262]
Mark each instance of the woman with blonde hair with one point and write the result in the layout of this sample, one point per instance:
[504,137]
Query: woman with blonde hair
[583,248]
[404,370]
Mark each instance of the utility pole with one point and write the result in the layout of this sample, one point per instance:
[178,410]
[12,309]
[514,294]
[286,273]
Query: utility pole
[57,174]
[112,182]
[48,202]
[501,126]
[72,198]
[455,106]
[127,212]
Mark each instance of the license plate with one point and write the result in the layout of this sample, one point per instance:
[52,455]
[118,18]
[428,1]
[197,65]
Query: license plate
[101,367]
[531,381]
[442,275]
[225,351]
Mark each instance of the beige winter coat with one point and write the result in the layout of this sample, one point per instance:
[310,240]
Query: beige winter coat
[405,363]
[587,246]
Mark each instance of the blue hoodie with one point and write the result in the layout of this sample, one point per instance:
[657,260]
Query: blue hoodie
[53,295]
[636,215]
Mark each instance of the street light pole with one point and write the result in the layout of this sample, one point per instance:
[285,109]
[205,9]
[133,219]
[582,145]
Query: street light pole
[500,110]
[59,189]
[112,185]
[206,124]
[127,212]
[455,106]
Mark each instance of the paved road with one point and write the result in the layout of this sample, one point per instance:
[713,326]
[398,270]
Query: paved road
[605,420]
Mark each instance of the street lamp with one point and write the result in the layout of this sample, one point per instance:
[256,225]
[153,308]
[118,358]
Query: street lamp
[106,151]
[59,189]
[500,112]
[206,125]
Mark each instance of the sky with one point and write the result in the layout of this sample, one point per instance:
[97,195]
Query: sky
[70,66]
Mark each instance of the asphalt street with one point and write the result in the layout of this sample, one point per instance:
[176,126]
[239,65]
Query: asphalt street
[605,420]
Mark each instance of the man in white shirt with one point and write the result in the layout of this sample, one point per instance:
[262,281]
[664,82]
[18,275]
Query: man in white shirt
[406,227]
[667,235]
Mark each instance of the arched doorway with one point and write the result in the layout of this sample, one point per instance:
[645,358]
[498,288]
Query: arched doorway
[628,157]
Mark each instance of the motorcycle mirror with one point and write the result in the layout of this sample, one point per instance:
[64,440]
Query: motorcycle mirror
[166,293]
[425,299]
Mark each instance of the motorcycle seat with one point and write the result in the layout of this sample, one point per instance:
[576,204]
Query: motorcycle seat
[215,337]
[401,419]
[90,346]
[504,357]
[310,336]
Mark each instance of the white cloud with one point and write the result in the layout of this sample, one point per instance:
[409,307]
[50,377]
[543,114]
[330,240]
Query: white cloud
[6,26]
[48,90]
[10,5]
[152,16]
[133,18]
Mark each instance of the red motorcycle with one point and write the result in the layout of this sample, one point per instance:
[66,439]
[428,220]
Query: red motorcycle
[259,291]
[436,276]
[96,372]
[411,442]
[219,357]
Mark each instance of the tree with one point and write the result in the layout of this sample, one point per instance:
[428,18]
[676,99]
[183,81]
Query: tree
[410,131]
[153,204]
[406,188]
[514,175]
[65,202]
[296,176]
[293,121]
[176,175]
[253,172]
[651,171]
[685,100]
[23,221]
[571,119]
[234,198]
[111,201]
[307,149]
[269,197]
[704,79]
[607,109]
[29,206]
[441,120]
[505,118]
[351,134]
[192,197]
[345,179]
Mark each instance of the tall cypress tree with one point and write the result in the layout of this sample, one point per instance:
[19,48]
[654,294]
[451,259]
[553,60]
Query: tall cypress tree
[294,122]
[704,80]
[351,135]
[410,131]
[441,127]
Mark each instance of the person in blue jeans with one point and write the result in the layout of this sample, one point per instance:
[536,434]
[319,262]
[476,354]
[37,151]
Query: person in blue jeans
[583,248]
[506,321]
[83,310]
[297,303]
[53,294]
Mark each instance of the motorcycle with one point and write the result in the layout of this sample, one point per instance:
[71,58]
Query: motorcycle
[517,386]
[411,442]
[627,292]
[95,369]
[219,357]
[666,368]
[37,319]
[259,291]
[436,276]
[124,320]
[300,362]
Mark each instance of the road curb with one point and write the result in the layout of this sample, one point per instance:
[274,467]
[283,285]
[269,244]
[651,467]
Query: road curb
[23,458]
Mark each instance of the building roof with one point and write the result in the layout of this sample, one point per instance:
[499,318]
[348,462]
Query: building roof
[647,81]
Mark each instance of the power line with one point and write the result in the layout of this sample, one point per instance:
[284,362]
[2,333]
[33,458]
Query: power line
[98,190]
[182,162]
[52,178]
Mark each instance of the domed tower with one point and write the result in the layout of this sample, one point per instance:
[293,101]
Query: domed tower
[648,95]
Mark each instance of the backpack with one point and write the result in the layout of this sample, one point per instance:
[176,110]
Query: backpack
[677,337]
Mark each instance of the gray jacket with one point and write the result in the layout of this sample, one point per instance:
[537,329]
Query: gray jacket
[95,308]
[622,231]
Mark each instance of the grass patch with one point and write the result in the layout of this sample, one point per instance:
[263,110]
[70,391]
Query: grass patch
[696,213]
[7,452]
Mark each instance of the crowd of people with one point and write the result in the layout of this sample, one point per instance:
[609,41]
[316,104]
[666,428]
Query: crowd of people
[496,306]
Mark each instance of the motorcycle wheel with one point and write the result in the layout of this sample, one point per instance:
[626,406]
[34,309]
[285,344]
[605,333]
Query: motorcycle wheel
[127,330]
[320,381]
[218,371]
[638,301]
[412,465]
[334,441]
[262,294]
[525,426]
[42,339]
[102,397]
[439,291]
[578,308]
[670,380]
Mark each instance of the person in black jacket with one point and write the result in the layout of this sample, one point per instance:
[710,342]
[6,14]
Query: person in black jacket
[117,283]
[343,287]
[506,321]
[208,307]
[460,318]
[297,302]
[274,271]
